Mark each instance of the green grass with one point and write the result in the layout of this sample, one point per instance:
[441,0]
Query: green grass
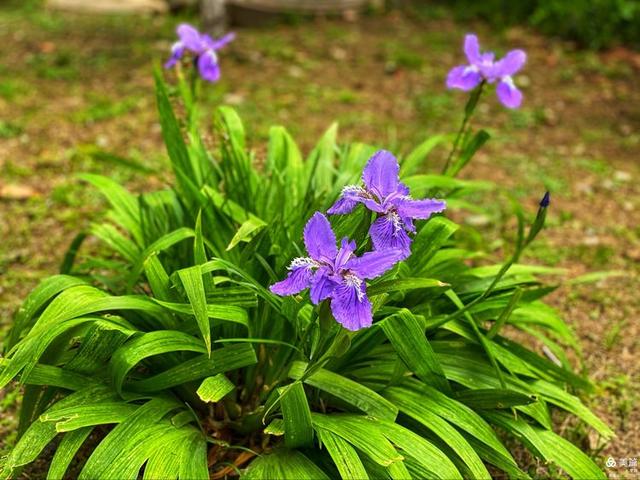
[104,108]
[9,129]
[11,89]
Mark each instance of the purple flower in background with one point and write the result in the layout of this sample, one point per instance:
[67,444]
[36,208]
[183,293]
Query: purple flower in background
[202,46]
[482,67]
[384,194]
[336,274]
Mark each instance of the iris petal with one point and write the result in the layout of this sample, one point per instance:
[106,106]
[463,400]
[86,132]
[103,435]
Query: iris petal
[464,78]
[177,50]
[351,195]
[472,48]
[297,280]
[373,264]
[321,287]
[381,174]
[320,239]
[208,66]
[345,253]
[387,233]
[421,209]
[508,93]
[511,63]
[190,37]
[350,306]
[222,41]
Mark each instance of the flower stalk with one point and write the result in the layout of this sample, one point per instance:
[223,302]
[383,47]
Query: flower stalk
[521,244]
[469,109]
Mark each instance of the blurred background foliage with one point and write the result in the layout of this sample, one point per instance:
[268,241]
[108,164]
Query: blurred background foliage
[594,24]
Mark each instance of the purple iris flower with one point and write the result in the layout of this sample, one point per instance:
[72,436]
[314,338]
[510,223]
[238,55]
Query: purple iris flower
[336,274]
[384,194]
[202,46]
[482,67]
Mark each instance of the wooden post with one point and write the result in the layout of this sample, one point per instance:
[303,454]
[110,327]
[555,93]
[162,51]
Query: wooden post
[214,19]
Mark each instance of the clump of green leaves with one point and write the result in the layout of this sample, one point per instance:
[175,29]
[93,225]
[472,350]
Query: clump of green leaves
[594,24]
[172,354]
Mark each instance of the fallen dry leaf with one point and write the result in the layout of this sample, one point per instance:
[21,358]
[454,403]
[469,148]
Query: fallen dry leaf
[16,192]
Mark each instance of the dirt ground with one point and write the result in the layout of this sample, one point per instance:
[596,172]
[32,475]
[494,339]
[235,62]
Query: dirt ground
[71,84]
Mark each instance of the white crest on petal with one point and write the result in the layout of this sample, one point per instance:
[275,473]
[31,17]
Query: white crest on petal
[394,218]
[303,262]
[352,280]
[354,189]
[508,79]
[470,69]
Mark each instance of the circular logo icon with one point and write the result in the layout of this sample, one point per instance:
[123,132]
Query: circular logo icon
[610,462]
